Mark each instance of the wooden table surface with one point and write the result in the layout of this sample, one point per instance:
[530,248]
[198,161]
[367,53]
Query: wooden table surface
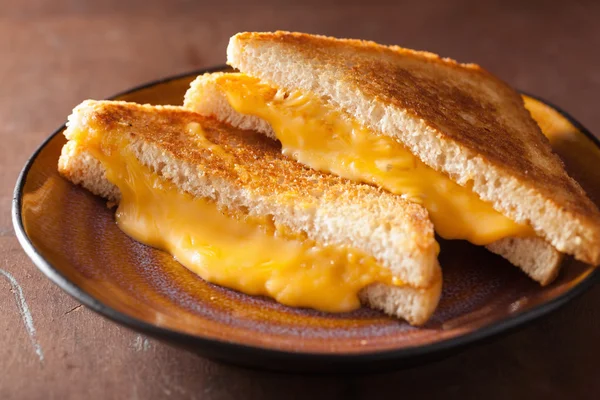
[55,54]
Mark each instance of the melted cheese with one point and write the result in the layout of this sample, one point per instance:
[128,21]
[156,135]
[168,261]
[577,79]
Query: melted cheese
[327,140]
[246,255]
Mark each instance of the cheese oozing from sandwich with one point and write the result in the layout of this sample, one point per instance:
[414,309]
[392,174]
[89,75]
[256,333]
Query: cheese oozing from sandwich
[325,139]
[229,249]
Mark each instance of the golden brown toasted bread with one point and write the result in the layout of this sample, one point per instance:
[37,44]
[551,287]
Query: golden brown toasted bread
[457,118]
[244,172]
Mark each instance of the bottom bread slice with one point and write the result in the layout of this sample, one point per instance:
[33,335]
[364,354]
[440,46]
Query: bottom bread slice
[536,257]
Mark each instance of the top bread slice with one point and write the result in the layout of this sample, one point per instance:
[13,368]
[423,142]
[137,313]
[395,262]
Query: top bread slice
[245,172]
[457,118]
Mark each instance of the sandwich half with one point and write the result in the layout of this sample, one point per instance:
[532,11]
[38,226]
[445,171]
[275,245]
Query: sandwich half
[449,136]
[230,207]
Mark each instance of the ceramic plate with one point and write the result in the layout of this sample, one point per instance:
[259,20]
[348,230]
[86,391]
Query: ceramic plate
[72,238]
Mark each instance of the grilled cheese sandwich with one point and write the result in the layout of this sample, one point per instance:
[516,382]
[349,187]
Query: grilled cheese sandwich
[251,252]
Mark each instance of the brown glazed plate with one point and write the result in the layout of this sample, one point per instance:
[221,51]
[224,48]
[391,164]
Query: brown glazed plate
[72,238]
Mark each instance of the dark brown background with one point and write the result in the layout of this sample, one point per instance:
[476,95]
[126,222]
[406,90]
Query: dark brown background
[55,54]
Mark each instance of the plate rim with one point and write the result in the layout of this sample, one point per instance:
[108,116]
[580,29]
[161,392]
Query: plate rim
[412,352]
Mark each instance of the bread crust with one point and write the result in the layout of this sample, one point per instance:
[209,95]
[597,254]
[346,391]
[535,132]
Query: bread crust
[457,118]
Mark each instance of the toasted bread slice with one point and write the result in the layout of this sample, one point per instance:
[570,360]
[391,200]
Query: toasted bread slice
[540,260]
[249,175]
[457,118]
